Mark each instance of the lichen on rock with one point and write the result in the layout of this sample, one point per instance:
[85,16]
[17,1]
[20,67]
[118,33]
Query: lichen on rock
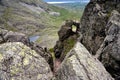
[80,65]
[20,62]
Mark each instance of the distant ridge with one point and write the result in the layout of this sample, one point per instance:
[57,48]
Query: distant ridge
[60,2]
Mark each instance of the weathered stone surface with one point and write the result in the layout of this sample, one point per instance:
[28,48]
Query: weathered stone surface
[9,36]
[19,62]
[80,65]
[109,52]
[94,20]
[43,52]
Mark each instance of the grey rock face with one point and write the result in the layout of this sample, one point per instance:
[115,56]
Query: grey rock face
[109,52]
[80,65]
[19,62]
[9,36]
[100,33]
[93,22]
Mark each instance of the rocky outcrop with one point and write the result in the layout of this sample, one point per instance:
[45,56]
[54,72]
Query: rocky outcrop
[67,38]
[37,3]
[99,33]
[80,65]
[9,36]
[109,51]
[66,30]
[94,20]
[19,62]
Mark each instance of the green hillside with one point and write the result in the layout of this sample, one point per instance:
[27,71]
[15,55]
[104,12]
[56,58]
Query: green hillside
[32,17]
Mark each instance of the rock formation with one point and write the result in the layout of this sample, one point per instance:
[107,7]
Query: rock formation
[100,33]
[9,36]
[67,38]
[19,62]
[109,51]
[94,20]
[80,65]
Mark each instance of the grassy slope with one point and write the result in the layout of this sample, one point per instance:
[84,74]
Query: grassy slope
[19,18]
[50,33]
[17,15]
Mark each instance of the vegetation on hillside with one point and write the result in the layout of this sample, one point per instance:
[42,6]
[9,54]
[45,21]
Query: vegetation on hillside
[55,22]
[24,16]
[65,14]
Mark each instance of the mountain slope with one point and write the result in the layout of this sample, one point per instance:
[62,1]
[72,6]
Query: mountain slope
[33,17]
[30,17]
[23,15]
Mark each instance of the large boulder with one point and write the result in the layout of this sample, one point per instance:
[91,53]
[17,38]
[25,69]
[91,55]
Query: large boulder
[80,65]
[109,52]
[94,20]
[19,62]
[10,36]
